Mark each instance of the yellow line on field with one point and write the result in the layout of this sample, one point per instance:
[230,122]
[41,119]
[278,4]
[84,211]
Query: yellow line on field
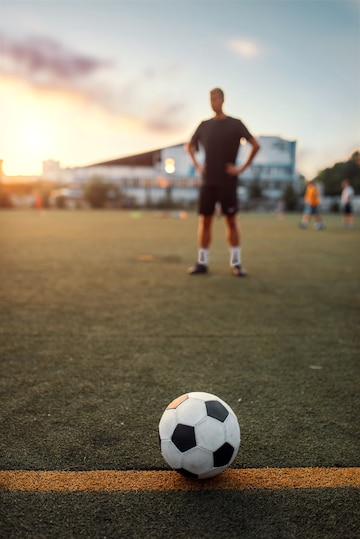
[240,479]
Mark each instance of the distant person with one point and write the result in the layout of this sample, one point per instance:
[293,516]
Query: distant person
[312,206]
[280,209]
[38,203]
[220,137]
[347,195]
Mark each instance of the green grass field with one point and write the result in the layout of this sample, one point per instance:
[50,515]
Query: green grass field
[101,327]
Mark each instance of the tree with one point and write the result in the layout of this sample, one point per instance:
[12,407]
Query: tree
[96,192]
[100,194]
[332,177]
[290,197]
[255,190]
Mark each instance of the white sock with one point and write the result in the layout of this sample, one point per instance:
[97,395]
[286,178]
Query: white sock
[235,256]
[203,256]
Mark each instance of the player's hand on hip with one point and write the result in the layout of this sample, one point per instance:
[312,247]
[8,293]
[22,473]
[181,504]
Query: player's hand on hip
[231,169]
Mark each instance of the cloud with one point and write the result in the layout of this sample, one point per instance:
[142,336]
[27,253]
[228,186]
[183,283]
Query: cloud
[164,116]
[46,62]
[47,65]
[244,47]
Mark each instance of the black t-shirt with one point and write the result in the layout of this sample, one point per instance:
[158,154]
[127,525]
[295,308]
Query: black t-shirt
[220,140]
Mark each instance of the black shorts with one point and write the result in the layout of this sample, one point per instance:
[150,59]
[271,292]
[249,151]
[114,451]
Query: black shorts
[348,209]
[226,196]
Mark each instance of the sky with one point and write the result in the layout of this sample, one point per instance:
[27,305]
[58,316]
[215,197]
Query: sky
[85,81]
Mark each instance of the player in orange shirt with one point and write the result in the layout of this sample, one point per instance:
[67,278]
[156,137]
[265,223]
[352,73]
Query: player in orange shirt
[312,206]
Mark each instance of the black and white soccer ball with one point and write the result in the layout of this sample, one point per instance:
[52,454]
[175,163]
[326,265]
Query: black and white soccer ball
[199,435]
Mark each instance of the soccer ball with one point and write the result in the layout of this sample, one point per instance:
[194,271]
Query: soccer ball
[199,435]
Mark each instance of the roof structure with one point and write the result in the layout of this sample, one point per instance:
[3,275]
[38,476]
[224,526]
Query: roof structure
[147,159]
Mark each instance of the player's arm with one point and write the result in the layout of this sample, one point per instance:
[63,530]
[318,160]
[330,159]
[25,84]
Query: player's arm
[191,148]
[233,170]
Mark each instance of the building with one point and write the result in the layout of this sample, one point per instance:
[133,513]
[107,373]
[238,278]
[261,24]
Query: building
[273,168]
[168,173]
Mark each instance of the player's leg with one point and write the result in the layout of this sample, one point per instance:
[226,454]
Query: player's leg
[234,241]
[351,216]
[229,205]
[232,232]
[349,219]
[206,211]
[306,217]
[204,238]
[319,224]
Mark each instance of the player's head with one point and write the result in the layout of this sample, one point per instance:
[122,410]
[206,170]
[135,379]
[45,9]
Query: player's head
[217,99]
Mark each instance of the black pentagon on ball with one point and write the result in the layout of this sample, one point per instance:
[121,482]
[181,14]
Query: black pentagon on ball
[184,437]
[222,456]
[216,410]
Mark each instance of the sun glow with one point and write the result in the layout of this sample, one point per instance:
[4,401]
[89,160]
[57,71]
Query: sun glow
[41,125]
[34,137]
[28,147]
[30,135]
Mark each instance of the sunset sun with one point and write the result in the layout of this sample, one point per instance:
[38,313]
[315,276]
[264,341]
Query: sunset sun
[30,136]
[33,137]
[29,145]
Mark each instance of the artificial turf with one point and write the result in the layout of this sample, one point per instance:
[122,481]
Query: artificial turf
[101,328]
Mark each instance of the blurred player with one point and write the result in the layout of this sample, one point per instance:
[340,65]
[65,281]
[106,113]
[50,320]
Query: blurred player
[312,206]
[347,195]
[220,137]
